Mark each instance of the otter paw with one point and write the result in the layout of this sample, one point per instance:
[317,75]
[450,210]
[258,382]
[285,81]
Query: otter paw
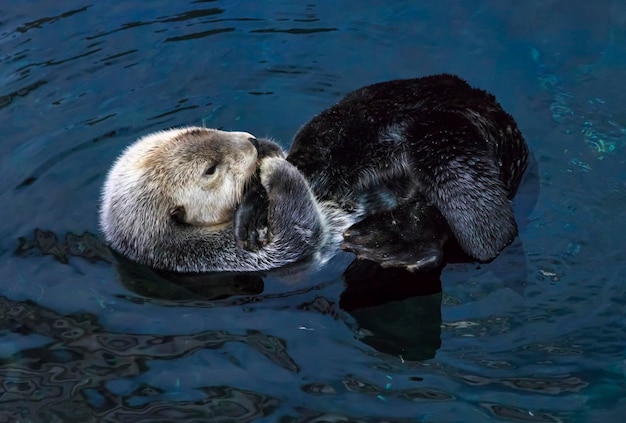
[256,238]
[411,257]
[251,220]
[390,245]
[278,174]
[268,148]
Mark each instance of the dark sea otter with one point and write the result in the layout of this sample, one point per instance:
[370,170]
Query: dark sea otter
[416,162]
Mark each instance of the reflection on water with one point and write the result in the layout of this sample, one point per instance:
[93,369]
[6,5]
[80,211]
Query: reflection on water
[396,312]
[373,295]
[68,376]
[387,304]
[66,379]
[87,246]
[80,358]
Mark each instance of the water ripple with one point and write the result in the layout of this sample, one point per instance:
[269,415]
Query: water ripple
[517,414]
[313,416]
[81,358]
[509,341]
[201,34]
[184,16]
[38,24]
[296,31]
[7,99]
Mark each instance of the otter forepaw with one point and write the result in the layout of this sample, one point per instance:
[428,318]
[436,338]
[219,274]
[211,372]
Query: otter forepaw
[412,257]
[252,238]
[278,175]
[251,220]
[268,148]
[410,237]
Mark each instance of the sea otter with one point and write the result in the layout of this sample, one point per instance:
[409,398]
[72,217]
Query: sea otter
[423,160]
[169,202]
[398,168]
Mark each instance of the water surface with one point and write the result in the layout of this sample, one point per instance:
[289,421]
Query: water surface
[536,335]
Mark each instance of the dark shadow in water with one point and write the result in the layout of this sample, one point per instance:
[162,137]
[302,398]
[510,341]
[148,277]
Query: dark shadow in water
[398,312]
[39,23]
[7,99]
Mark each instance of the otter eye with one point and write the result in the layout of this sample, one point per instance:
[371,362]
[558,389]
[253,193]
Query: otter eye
[210,170]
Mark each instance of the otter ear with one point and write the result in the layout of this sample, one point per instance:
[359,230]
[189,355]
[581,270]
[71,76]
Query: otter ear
[177,214]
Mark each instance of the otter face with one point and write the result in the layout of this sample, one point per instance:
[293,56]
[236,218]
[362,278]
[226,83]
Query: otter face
[193,175]
[207,171]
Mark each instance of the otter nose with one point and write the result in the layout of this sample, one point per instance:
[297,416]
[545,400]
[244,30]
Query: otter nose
[255,143]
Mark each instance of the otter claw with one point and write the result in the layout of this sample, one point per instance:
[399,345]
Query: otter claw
[256,239]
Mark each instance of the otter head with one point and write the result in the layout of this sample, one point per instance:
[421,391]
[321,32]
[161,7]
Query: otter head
[169,181]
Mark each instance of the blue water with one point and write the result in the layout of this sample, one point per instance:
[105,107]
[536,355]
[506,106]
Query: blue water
[537,335]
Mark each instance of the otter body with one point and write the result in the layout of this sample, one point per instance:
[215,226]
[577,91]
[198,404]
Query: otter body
[169,202]
[421,161]
[395,170]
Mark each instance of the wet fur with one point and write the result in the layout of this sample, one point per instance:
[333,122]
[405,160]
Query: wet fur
[160,209]
[427,143]
[405,165]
